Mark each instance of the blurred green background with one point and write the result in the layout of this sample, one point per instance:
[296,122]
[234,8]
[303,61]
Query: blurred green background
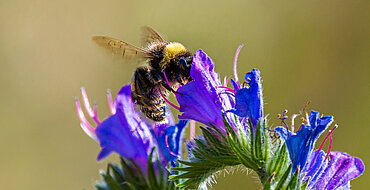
[316,51]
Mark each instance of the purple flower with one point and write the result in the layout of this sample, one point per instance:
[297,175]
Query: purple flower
[199,99]
[249,101]
[126,133]
[335,173]
[322,173]
[302,143]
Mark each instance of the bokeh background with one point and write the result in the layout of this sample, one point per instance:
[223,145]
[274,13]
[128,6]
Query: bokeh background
[316,51]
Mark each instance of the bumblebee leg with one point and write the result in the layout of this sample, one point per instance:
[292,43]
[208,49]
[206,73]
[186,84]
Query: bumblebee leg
[144,83]
[167,87]
[179,79]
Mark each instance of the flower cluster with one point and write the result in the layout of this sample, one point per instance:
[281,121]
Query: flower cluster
[235,133]
[128,134]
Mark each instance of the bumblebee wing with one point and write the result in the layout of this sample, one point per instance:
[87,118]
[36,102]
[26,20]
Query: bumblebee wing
[150,35]
[121,48]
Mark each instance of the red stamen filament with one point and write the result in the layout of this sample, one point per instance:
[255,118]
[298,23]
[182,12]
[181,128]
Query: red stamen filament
[226,80]
[300,127]
[88,107]
[165,99]
[227,88]
[235,63]
[85,125]
[168,147]
[329,148]
[322,144]
[110,102]
[165,76]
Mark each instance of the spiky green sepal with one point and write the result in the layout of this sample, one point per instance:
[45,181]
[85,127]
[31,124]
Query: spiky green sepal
[210,154]
[253,148]
[129,176]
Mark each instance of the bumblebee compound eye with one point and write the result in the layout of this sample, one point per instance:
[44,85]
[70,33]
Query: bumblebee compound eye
[183,63]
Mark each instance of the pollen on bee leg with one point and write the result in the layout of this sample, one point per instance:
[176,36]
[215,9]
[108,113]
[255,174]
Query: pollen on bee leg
[85,125]
[322,144]
[166,100]
[110,102]
[235,63]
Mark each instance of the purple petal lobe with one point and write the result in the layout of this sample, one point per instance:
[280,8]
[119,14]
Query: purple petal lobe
[125,132]
[199,99]
[341,169]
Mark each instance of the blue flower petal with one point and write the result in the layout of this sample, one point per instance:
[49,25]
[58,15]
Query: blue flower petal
[249,101]
[300,145]
[173,135]
[235,85]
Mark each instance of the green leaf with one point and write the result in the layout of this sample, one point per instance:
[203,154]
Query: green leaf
[294,180]
[258,142]
[284,178]
[151,172]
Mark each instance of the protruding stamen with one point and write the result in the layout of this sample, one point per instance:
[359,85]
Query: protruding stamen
[165,99]
[96,119]
[235,64]
[87,103]
[322,144]
[168,147]
[298,114]
[192,130]
[329,148]
[307,119]
[89,130]
[226,80]
[110,102]
[283,118]
[292,123]
[227,88]
[300,127]
[88,107]
[165,76]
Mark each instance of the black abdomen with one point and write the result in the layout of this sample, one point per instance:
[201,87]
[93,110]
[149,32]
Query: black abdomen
[145,84]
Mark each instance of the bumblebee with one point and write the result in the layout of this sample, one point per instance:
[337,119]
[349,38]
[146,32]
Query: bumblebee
[168,66]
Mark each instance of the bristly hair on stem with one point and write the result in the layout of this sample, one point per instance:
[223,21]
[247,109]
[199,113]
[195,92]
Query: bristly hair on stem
[213,152]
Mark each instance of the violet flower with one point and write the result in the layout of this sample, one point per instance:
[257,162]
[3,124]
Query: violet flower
[126,133]
[202,100]
[199,99]
[315,166]
[333,173]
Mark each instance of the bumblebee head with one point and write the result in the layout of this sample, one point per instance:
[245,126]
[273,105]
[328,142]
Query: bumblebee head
[185,64]
[173,51]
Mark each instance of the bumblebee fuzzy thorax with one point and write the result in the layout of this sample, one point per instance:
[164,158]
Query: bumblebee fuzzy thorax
[171,51]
